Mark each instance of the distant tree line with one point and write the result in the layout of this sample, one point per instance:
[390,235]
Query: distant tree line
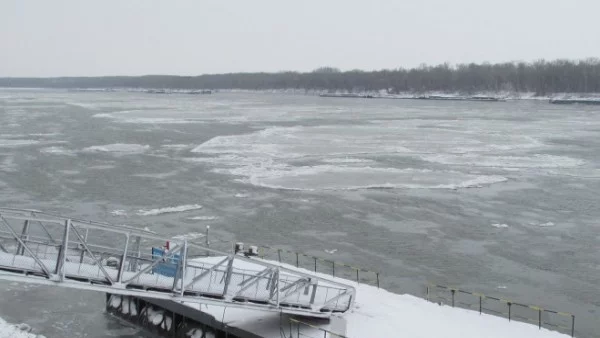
[541,77]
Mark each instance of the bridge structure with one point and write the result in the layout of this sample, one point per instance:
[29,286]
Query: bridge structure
[49,249]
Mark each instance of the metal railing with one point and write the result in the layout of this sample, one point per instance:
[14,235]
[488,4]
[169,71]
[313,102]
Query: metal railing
[322,265]
[305,330]
[49,249]
[554,320]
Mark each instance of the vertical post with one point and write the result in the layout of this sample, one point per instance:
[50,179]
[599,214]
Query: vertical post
[479,304]
[123,259]
[540,318]
[133,265]
[173,328]
[324,334]
[297,260]
[333,268]
[357,278]
[509,306]
[24,236]
[62,254]
[183,263]
[207,241]
[377,274]
[279,255]
[277,289]
[572,325]
[315,258]
[453,292]
[82,254]
[427,293]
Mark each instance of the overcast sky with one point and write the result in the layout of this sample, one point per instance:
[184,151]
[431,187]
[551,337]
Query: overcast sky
[126,37]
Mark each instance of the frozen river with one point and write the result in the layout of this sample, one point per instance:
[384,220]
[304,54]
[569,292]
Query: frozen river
[496,197]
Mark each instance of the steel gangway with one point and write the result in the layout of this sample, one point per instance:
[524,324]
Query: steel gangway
[44,248]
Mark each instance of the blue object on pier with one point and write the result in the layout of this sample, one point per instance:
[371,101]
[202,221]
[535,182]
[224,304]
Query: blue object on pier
[170,265]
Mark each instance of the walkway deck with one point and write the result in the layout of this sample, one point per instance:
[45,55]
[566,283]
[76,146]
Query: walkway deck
[42,248]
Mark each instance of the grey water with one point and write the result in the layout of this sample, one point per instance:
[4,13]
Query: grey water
[494,197]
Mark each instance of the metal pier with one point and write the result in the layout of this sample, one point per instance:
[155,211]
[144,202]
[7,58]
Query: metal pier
[43,248]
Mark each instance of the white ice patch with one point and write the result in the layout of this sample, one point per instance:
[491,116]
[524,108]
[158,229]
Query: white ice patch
[118,148]
[9,143]
[546,225]
[154,116]
[346,160]
[176,146]
[190,236]
[500,225]
[240,195]
[328,177]
[203,218]
[119,212]
[57,151]
[160,211]
[531,161]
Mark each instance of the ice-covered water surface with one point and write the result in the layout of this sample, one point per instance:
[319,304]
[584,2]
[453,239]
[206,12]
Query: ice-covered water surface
[469,194]
[284,157]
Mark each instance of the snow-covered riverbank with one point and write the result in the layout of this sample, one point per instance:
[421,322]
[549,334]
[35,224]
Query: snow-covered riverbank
[8,330]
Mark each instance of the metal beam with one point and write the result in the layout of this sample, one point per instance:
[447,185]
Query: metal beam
[24,236]
[299,284]
[343,294]
[248,283]
[205,273]
[92,256]
[34,256]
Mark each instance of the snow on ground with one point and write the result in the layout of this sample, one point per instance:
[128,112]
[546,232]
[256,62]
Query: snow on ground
[380,313]
[16,331]
[160,211]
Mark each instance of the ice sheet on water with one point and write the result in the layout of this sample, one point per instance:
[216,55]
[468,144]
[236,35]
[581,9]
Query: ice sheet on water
[327,177]
[11,143]
[189,236]
[118,148]
[118,212]
[57,151]
[154,116]
[346,160]
[529,161]
[500,225]
[269,158]
[203,218]
[160,211]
